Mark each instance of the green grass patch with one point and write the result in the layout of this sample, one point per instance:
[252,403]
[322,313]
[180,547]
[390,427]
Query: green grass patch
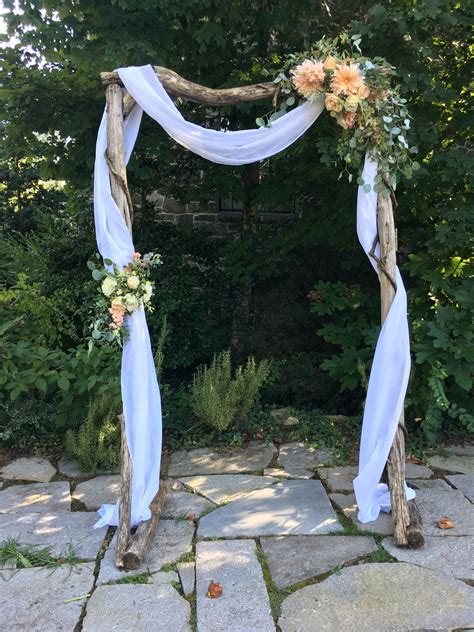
[17,556]
[141,578]
[275,595]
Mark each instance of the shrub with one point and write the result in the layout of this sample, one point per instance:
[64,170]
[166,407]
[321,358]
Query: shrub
[219,399]
[27,422]
[97,444]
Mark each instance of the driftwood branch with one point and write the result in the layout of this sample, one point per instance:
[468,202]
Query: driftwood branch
[177,86]
[407,526]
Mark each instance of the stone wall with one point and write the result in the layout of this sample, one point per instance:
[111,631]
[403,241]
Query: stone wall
[219,221]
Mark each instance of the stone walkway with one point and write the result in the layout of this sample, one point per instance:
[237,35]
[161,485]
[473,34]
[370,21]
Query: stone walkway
[255,540]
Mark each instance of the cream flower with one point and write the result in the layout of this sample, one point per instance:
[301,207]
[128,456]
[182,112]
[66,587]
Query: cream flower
[308,77]
[133,282]
[363,92]
[351,103]
[330,63]
[148,291]
[332,103]
[132,303]
[346,79]
[108,286]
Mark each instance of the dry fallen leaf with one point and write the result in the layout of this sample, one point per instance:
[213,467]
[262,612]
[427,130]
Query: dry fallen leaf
[445,523]
[411,458]
[214,590]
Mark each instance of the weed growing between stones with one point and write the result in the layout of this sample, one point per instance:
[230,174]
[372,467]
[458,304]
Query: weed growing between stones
[16,556]
[378,557]
[190,556]
[275,596]
[141,578]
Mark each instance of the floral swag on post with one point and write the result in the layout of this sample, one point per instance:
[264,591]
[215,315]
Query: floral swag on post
[359,94]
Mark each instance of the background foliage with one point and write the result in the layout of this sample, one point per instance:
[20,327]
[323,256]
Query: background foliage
[303,296]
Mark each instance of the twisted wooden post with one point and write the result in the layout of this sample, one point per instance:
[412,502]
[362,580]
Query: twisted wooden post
[407,529]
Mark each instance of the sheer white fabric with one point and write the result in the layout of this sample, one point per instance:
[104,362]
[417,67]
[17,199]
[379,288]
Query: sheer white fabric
[139,389]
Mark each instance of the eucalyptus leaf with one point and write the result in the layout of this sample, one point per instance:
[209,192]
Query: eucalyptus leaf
[97,274]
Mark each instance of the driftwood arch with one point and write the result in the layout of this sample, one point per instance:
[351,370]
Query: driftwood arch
[131,549]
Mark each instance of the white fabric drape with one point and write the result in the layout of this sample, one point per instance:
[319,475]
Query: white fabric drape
[139,389]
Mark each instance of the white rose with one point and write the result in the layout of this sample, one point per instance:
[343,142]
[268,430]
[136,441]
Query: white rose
[133,282]
[131,303]
[108,285]
[148,291]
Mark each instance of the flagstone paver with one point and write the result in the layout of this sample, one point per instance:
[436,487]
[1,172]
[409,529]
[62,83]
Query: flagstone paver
[280,473]
[97,491]
[454,463]
[36,599]
[299,458]
[187,577]
[434,483]
[34,469]
[205,461]
[435,504]
[292,559]
[72,469]
[36,497]
[243,605]
[221,488]
[289,507]
[182,504]
[416,470]
[461,450]
[450,556]
[382,597]
[57,530]
[172,539]
[137,607]
[347,503]
[339,479]
[463,482]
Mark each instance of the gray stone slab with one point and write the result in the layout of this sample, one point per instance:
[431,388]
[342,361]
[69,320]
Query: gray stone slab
[34,599]
[221,488]
[181,504]
[450,556]
[434,504]
[204,461]
[172,539]
[243,605]
[454,463]
[283,474]
[97,491]
[138,607]
[382,597]
[294,558]
[59,531]
[347,503]
[339,479]
[433,483]
[72,469]
[461,450]
[289,507]
[34,469]
[416,470]
[187,577]
[161,578]
[36,497]
[301,459]
[463,482]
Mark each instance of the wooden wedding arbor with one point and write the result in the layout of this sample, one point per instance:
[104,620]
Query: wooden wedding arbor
[131,549]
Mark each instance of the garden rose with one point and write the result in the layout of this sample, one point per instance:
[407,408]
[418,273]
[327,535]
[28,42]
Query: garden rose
[308,77]
[332,103]
[351,103]
[108,286]
[133,282]
[132,303]
[363,92]
[346,79]
[347,120]
[148,291]
[330,63]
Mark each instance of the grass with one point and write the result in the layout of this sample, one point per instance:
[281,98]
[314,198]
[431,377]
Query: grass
[17,556]
[275,596]
[141,578]
[173,566]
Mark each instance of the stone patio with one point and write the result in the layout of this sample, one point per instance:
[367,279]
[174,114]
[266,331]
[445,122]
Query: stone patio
[269,536]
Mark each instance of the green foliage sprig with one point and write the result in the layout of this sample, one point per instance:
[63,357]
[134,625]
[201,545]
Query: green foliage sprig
[219,399]
[360,94]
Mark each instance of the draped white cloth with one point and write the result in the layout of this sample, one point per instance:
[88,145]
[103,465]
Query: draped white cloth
[140,392]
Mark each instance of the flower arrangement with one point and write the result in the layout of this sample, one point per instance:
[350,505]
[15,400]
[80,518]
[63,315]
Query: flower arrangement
[361,96]
[121,292]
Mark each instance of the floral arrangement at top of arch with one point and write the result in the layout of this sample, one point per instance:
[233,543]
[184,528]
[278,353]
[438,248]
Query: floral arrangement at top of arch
[360,95]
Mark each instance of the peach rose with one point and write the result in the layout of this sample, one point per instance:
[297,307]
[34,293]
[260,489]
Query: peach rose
[332,103]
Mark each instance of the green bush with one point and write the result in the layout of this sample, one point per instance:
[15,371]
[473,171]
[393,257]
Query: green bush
[27,423]
[97,444]
[219,399]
